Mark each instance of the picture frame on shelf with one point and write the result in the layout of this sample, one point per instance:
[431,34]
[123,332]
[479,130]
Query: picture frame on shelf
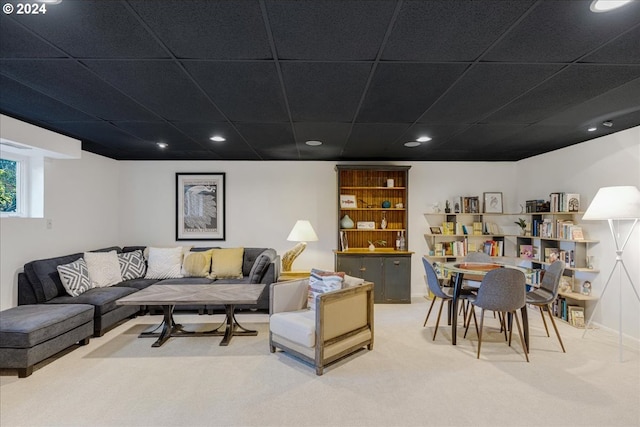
[435,230]
[492,202]
[348,201]
[200,206]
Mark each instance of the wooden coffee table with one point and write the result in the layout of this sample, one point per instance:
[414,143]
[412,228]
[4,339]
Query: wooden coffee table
[169,296]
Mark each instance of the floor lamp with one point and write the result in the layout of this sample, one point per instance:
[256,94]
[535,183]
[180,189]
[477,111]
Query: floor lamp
[616,205]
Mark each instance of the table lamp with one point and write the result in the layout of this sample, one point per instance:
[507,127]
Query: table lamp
[302,232]
[619,204]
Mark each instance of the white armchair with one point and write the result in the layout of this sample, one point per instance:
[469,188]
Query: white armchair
[341,324]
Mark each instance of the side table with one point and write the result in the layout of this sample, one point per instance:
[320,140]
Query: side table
[293,275]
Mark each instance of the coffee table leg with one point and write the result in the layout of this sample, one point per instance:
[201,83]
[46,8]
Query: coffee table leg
[167,326]
[232,326]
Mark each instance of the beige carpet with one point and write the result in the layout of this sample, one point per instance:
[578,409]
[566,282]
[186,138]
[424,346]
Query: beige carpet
[407,380]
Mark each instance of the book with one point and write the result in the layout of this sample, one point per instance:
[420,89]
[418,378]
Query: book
[526,251]
[551,254]
[576,316]
[573,202]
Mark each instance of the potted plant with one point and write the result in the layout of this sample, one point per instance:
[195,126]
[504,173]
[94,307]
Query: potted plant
[372,245]
[522,224]
[447,207]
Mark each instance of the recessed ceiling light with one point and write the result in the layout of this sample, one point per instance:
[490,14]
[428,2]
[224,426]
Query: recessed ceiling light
[411,144]
[162,145]
[423,139]
[607,5]
[313,143]
[592,129]
[218,138]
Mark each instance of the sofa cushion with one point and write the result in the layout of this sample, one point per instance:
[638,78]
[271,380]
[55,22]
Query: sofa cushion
[164,263]
[260,266]
[28,325]
[103,299]
[132,265]
[138,284]
[197,264]
[43,273]
[104,268]
[226,263]
[75,277]
[321,282]
[250,257]
[298,326]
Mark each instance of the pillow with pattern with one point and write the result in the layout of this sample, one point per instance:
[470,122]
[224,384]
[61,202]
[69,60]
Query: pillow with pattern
[165,263]
[104,268]
[75,277]
[197,264]
[321,282]
[132,265]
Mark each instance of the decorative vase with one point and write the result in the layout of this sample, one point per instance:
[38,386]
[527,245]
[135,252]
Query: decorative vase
[383,223]
[386,204]
[372,247]
[346,222]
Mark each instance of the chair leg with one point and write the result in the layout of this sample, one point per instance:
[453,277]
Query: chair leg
[429,312]
[524,345]
[553,322]
[480,332]
[543,320]
[435,331]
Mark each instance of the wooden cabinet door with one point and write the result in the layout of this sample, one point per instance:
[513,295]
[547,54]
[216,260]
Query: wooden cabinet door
[397,280]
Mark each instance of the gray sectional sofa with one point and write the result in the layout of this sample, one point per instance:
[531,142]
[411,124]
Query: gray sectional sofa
[40,284]
[47,319]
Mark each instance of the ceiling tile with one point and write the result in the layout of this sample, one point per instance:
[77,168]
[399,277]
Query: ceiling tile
[450,30]
[402,92]
[18,42]
[329,30]
[324,91]
[232,29]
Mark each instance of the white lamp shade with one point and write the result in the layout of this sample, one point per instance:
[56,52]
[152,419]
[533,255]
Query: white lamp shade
[302,232]
[622,202]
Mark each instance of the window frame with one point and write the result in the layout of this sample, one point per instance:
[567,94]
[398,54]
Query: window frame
[22,184]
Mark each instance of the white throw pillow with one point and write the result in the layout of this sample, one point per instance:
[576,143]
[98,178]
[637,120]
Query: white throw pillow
[164,263]
[104,268]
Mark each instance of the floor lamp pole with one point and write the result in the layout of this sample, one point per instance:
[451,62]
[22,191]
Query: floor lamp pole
[618,264]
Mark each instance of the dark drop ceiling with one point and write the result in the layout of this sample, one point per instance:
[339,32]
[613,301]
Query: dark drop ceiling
[486,80]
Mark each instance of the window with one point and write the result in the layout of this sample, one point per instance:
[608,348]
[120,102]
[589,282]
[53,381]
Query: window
[11,192]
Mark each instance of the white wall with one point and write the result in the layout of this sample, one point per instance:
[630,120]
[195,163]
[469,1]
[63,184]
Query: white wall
[584,168]
[97,202]
[81,200]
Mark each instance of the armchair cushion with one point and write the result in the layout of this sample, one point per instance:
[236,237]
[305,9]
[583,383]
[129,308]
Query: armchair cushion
[298,326]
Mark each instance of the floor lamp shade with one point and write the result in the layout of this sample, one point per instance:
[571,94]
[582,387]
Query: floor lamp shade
[622,202]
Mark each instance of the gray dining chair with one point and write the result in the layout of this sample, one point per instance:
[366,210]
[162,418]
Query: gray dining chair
[435,286]
[546,294]
[502,290]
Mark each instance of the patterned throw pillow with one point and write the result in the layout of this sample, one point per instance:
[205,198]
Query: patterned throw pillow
[164,263]
[321,282]
[226,263]
[132,265]
[75,277]
[197,264]
[104,268]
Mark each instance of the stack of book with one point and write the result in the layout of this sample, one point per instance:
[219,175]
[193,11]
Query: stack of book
[493,247]
[564,202]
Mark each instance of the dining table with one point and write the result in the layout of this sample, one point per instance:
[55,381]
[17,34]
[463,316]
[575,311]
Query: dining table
[476,271]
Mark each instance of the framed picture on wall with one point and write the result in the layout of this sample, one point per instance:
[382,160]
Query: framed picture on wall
[492,202]
[200,207]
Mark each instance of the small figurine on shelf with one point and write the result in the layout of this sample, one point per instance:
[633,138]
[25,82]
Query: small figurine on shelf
[372,245]
[586,288]
[383,223]
[447,207]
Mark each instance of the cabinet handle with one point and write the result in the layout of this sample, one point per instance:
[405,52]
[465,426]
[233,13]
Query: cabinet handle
[396,262]
[363,269]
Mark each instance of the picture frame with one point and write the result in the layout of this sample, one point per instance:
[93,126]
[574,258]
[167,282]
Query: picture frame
[492,202]
[200,206]
[435,230]
[348,201]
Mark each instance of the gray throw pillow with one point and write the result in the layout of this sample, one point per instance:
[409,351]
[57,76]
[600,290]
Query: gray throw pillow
[260,267]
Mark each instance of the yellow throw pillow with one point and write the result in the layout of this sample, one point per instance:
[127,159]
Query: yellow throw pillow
[197,264]
[226,263]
